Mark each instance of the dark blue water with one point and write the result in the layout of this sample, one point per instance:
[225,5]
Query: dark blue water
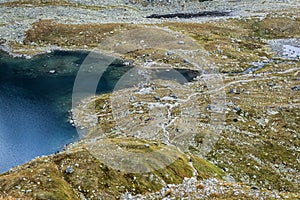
[35,104]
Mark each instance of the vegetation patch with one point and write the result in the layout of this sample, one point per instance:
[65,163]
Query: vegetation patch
[206,169]
[75,173]
[45,32]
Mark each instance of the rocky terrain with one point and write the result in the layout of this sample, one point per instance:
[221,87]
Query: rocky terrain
[230,133]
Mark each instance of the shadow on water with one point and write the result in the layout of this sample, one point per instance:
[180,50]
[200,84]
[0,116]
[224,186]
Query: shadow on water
[36,96]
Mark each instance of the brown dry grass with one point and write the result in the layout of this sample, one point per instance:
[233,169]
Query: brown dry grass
[48,31]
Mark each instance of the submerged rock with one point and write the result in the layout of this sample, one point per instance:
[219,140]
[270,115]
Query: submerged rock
[52,71]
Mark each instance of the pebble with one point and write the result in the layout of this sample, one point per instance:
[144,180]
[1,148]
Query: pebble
[157,98]
[174,96]
[232,91]
[169,53]
[224,57]
[296,88]
[237,110]
[69,170]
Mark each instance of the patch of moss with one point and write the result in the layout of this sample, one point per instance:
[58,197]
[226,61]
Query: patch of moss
[275,28]
[175,172]
[3,24]
[206,169]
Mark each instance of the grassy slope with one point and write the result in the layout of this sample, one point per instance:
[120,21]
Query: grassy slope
[45,178]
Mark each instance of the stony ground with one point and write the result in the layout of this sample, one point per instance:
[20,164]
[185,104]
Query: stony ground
[240,113]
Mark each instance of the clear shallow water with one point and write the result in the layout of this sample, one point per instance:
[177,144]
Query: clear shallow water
[34,103]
